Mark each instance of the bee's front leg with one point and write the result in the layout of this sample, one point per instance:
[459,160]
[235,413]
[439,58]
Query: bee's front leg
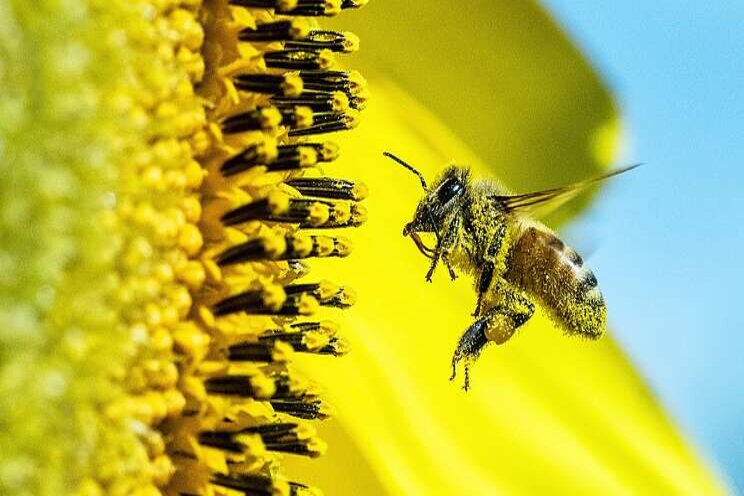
[444,247]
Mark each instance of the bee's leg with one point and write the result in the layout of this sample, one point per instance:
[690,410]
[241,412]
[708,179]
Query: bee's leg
[484,281]
[489,265]
[432,266]
[497,325]
[444,247]
[452,273]
[469,348]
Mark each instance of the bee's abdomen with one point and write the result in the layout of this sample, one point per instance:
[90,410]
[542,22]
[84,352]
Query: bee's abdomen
[543,266]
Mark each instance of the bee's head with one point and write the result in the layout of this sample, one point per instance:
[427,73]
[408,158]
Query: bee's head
[442,199]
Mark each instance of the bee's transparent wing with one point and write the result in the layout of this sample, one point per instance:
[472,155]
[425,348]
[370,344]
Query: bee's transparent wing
[540,203]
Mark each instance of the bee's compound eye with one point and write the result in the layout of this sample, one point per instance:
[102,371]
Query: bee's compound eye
[449,189]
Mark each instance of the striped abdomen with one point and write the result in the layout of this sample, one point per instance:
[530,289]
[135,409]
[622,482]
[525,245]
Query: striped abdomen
[544,267]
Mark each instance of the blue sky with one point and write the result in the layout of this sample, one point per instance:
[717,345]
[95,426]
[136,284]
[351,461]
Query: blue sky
[670,249]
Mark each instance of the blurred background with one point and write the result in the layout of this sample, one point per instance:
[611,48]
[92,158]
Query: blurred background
[669,236]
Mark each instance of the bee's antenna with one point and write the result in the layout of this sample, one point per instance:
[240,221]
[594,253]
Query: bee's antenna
[409,167]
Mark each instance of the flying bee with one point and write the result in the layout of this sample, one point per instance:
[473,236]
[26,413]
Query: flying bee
[516,261]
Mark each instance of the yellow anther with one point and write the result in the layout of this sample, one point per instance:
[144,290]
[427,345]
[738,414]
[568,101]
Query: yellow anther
[324,245]
[302,245]
[347,297]
[270,118]
[305,431]
[329,151]
[342,212]
[308,305]
[317,447]
[315,340]
[252,444]
[297,384]
[357,81]
[285,5]
[303,116]
[274,245]
[325,411]
[360,191]
[262,386]
[329,327]
[351,42]
[326,290]
[332,7]
[308,156]
[352,119]
[190,239]
[292,86]
[318,214]
[342,346]
[281,352]
[299,29]
[273,297]
[340,102]
[278,202]
[360,99]
[343,247]
[326,59]
[359,214]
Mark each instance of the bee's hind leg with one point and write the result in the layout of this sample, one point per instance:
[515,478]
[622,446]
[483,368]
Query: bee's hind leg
[469,348]
[497,325]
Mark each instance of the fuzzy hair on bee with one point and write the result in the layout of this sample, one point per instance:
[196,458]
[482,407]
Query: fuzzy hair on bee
[516,261]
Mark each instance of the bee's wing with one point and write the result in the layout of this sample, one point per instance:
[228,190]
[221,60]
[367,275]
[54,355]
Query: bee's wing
[540,203]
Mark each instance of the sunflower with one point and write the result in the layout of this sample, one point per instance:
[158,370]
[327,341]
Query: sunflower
[172,216]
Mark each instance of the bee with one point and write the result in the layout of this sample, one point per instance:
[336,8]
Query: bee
[516,261]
